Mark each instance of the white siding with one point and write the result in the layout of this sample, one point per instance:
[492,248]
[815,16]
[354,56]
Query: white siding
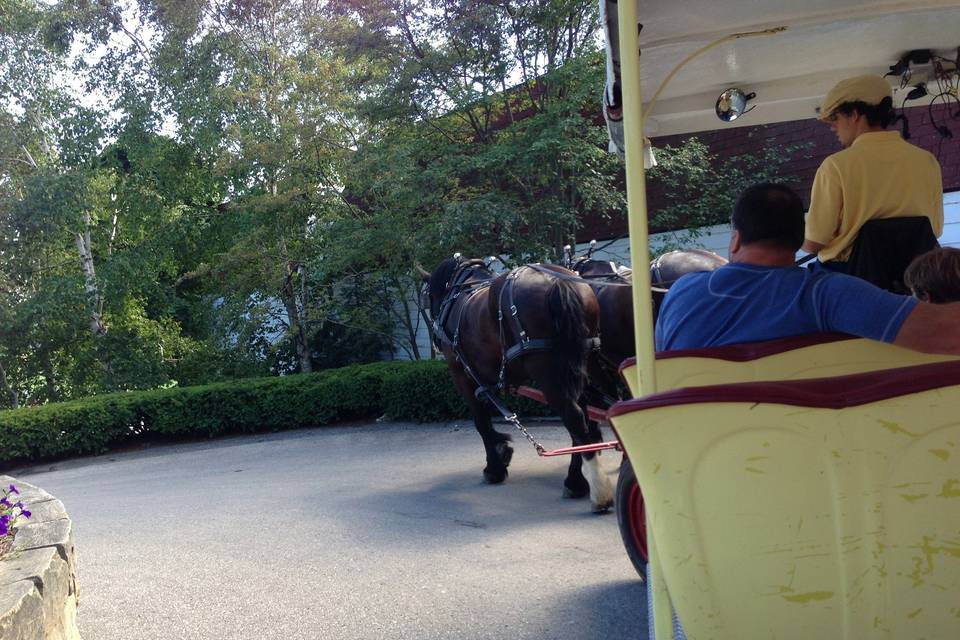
[716,239]
[951,220]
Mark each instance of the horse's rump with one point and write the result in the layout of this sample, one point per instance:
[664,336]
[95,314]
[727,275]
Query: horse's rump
[490,324]
[546,310]
[669,267]
[537,322]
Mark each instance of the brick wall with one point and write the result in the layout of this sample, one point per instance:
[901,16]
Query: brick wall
[743,140]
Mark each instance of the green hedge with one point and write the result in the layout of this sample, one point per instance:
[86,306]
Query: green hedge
[415,391]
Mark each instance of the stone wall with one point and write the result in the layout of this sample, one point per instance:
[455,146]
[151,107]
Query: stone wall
[38,581]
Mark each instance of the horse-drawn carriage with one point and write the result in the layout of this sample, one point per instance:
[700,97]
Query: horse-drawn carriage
[804,487]
[801,488]
[542,323]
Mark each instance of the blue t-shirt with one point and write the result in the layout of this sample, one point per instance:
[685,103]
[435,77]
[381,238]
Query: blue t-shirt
[750,303]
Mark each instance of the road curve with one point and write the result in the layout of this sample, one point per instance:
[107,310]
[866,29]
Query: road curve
[342,533]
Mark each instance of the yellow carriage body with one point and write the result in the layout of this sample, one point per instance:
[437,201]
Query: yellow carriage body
[750,474]
[828,508]
[825,508]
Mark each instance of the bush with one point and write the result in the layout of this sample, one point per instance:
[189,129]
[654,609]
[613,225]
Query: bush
[423,392]
[417,391]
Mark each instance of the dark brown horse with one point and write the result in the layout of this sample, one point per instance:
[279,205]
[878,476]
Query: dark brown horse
[537,322]
[611,283]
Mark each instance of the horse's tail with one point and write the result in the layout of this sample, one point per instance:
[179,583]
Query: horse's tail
[569,315]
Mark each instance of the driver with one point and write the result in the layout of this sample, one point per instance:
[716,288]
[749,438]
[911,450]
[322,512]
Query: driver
[876,175]
[762,295]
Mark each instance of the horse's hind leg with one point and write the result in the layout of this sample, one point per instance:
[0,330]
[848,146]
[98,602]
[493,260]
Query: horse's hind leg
[601,489]
[574,418]
[575,485]
[605,496]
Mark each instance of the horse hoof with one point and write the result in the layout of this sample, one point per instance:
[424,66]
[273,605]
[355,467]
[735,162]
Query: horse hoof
[574,495]
[494,477]
[505,451]
[603,507]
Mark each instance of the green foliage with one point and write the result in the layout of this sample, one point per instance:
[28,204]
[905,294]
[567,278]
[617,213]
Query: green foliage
[422,392]
[414,391]
[234,189]
[428,190]
[700,188]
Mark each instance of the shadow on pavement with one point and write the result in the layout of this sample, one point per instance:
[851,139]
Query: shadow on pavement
[441,504]
[612,611]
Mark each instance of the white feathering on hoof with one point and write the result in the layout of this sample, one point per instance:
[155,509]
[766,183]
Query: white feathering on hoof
[601,489]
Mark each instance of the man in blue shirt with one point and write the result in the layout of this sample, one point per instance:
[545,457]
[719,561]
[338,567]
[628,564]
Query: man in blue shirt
[762,295]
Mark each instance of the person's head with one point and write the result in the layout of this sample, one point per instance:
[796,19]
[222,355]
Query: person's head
[935,276]
[857,105]
[767,216]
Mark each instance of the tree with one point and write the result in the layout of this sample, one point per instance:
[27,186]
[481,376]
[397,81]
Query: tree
[97,217]
[698,189]
[255,88]
[51,197]
[479,139]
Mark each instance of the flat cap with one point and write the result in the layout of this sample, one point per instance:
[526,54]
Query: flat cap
[869,89]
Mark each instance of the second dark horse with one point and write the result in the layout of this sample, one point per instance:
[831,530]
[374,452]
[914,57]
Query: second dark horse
[611,283]
[535,322]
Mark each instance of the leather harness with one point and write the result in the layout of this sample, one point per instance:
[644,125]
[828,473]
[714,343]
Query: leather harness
[460,286]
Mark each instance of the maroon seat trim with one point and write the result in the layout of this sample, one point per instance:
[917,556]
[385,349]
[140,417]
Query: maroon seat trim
[836,392]
[748,350]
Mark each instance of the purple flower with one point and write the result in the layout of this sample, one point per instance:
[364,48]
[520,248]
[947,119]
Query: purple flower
[5,503]
[4,525]
[13,489]
[25,513]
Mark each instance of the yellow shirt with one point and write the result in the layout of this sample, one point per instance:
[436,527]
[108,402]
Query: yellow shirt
[878,176]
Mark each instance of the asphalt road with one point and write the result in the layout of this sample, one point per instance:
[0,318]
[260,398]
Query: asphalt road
[355,532]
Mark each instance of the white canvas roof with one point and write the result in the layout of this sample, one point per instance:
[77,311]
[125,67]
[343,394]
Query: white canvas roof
[825,41]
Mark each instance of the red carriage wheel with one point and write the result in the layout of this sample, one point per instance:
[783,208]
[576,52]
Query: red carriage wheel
[631,516]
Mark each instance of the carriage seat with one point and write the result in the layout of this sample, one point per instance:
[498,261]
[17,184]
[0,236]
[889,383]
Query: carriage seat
[819,508]
[807,356]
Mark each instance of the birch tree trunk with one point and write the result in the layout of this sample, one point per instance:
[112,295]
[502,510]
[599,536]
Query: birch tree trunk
[94,299]
[49,376]
[295,320]
[14,396]
[405,316]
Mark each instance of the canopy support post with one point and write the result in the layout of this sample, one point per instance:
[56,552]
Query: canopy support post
[636,193]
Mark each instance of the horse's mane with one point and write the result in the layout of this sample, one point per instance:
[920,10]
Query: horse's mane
[442,273]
